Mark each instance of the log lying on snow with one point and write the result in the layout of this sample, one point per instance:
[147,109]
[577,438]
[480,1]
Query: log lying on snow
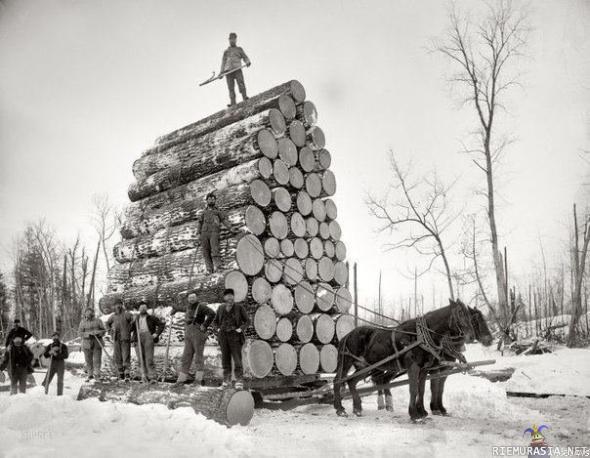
[202,161]
[276,97]
[226,406]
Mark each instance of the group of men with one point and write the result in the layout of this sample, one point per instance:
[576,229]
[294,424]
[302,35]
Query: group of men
[18,360]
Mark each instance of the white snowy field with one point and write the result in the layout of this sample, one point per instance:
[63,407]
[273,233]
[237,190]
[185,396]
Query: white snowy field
[35,425]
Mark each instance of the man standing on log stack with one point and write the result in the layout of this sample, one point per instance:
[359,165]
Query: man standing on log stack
[198,318]
[150,327]
[231,320]
[232,60]
[58,352]
[120,323]
[91,331]
[209,224]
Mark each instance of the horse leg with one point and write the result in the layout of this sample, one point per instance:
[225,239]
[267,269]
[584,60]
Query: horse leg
[388,400]
[441,388]
[357,407]
[340,374]
[377,381]
[413,374]
[421,387]
[434,396]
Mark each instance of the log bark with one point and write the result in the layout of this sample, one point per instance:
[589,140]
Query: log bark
[265,322]
[278,225]
[304,329]
[304,203]
[287,248]
[319,210]
[272,247]
[227,406]
[185,168]
[257,358]
[307,114]
[281,299]
[296,178]
[285,359]
[309,359]
[292,271]
[328,358]
[307,159]
[297,133]
[344,324]
[331,209]
[340,273]
[311,269]
[304,297]
[273,270]
[287,151]
[301,248]
[261,290]
[273,98]
[324,327]
[324,297]
[282,199]
[297,224]
[284,329]
[343,299]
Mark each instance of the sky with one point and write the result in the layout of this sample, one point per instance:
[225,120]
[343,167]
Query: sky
[86,86]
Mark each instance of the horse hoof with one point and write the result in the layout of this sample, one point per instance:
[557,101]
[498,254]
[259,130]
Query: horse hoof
[389,408]
[444,413]
[417,420]
[358,413]
[436,412]
[380,407]
[341,413]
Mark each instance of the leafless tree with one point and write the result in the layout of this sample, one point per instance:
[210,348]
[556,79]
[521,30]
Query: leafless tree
[579,253]
[105,219]
[421,209]
[483,52]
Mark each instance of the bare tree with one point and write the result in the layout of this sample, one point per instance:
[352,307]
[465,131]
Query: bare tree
[105,219]
[483,52]
[579,254]
[421,207]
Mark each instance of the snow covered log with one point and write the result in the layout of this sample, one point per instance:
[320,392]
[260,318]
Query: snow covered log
[276,97]
[226,406]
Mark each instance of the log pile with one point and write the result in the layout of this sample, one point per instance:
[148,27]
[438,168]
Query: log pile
[282,253]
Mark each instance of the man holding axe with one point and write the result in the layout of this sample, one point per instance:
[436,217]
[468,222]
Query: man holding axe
[58,353]
[231,67]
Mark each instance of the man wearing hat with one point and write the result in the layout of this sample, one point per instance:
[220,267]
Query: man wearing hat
[17,359]
[209,224]
[198,317]
[232,59]
[119,324]
[91,331]
[58,352]
[18,330]
[231,321]
[146,332]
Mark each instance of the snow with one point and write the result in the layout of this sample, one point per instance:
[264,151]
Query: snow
[35,425]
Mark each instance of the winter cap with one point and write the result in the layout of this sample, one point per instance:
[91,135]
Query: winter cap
[211,194]
[16,320]
[233,35]
[55,333]
[228,291]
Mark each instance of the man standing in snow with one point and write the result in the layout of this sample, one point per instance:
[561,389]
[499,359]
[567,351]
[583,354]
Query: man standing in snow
[198,317]
[119,324]
[232,60]
[91,331]
[231,320]
[17,359]
[146,332]
[19,331]
[209,224]
[58,352]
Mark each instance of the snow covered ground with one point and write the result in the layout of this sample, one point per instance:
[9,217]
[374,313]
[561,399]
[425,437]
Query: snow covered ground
[35,425]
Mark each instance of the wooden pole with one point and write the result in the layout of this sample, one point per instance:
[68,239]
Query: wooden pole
[356,302]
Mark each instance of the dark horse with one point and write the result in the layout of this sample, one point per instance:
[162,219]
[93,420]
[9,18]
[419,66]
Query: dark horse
[433,338]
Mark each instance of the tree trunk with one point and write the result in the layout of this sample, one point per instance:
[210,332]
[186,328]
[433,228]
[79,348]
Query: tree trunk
[228,406]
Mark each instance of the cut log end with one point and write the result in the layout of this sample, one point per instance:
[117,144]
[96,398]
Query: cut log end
[297,133]
[297,91]
[284,329]
[260,193]
[250,255]
[258,358]
[329,358]
[265,322]
[286,359]
[287,107]
[304,329]
[281,299]
[325,297]
[261,290]
[255,220]
[267,143]
[237,281]
[287,151]
[304,297]
[309,359]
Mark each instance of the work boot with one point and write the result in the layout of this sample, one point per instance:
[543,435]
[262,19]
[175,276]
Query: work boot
[216,264]
[198,378]
[182,378]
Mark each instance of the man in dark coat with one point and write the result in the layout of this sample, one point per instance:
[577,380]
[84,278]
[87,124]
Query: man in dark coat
[231,321]
[58,352]
[120,324]
[17,359]
[209,224]
[19,331]
[232,59]
[91,331]
[148,328]
[198,317]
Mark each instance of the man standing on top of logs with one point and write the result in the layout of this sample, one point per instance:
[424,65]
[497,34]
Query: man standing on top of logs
[17,359]
[150,327]
[91,331]
[231,320]
[198,317]
[19,331]
[120,324]
[58,352]
[232,60]
[208,226]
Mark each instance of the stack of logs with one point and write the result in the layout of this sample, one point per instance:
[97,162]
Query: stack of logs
[282,254]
